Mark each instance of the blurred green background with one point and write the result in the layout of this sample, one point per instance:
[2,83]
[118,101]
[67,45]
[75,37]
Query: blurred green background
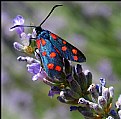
[93,27]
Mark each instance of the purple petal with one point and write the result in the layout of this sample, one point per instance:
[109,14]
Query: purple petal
[39,76]
[19,20]
[69,78]
[73,108]
[113,112]
[97,87]
[34,33]
[34,68]
[102,81]
[37,70]
[42,74]
[35,77]
[20,30]
[25,38]
[111,91]
[102,101]
[54,90]
[52,93]
[18,46]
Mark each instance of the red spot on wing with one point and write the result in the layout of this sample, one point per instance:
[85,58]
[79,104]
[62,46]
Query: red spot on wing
[64,42]
[53,36]
[38,41]
[64,48]
[50,66]
[43,42]
[52,54]
[75,58]
[44,53]
[58,68]
[74,51]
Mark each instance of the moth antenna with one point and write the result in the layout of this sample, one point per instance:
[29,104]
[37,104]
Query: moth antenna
[21,26]
[42,21]
[50,13]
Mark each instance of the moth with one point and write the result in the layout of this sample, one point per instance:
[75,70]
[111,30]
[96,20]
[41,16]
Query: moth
[52,50]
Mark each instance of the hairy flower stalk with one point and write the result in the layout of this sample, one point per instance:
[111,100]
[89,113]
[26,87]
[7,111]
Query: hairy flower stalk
[75,87]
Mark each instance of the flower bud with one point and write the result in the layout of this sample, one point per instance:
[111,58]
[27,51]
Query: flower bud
[118,103]
[105,93]
[111,91]
[119,113]
[95,107]
[102,102]
[25,39]
[102,81]
[94,94]
[88,75]
[18,46]
[54,90]
[74,85]
[68,67]
[67,94]
[73,108]
[78,68]
[27,59]
[63,100]
[83,102]
[37,54]
[113,113]
[82,81]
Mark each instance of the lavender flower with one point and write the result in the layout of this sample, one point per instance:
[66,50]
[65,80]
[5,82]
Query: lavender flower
[37,70]
[93,101]
[34,68]
[28,44]
[18,20]
[96,104]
